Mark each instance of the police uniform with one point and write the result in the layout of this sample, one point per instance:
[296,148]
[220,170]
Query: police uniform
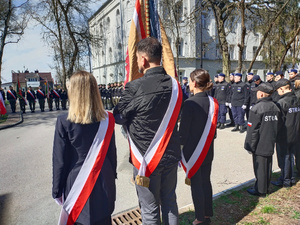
[221,93]
[30,95]
[185,90]
[64,98]
[12,98]
[239,102]
[253,92]
[288,138]
[103,96]
[263,125]
[108,94]
[22,102]
[228,103]
[212,91]
[40,94]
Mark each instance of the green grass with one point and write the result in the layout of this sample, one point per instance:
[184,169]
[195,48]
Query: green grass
[268,209]
[3,118]
[262,221]
[296,215]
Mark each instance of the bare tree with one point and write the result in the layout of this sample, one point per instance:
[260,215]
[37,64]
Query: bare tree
[13,21]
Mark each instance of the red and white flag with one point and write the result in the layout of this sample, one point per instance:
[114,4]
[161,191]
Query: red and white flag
[2,106]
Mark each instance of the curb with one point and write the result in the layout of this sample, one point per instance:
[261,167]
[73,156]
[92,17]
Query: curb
[12,125]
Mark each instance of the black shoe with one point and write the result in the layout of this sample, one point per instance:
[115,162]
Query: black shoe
[287,184]
[24,112]
[242,129]
[51,110]
[218,125]
[236,128]
[229,125]
[222,126]
[277,183]
[207,220]
[252,191]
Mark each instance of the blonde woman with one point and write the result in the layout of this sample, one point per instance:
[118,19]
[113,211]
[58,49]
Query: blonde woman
[84,156]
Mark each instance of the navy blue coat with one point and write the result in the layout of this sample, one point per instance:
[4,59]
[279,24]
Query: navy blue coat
[71,144]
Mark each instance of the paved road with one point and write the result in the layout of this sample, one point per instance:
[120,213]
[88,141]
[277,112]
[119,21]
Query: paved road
[26,171]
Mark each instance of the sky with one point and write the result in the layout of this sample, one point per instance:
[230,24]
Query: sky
[30,53]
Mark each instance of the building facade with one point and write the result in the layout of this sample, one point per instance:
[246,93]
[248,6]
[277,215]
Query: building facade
[197,42]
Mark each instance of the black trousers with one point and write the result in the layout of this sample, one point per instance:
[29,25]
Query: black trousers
[56,103]
[42,104]
[50,103]
[12,103]
[64,103]
[288,172]
[22,105]
[262,166]
[202,192]
[31,105]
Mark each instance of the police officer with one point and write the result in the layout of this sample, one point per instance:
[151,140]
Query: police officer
[250,85]
[103,96]
[40,93]
[256,82]
[239,102]
[228,100]
[212,91]
[108,94]
[185,88]
[278,75]
[12,98]
[263,125]
[30,95]
[22,101]
[221,93]
[293,77]
[64,98]
[270,78]
[288,138]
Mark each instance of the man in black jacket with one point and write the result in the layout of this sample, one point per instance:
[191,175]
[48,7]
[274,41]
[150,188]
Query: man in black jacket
[30,95]
[12,98]
[40,94]
[263,126]
[141,110]
[288,138]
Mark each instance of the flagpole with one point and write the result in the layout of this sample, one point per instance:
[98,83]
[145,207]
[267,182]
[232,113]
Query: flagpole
[147,18]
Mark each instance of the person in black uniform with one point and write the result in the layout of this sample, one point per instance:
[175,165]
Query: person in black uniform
[22,102]
[221,93]
[263,126]
[185,89]
[108,95]
[194,116]
[50,99]
[103,96]
[64,98]
[288,138]
[228,100]
[270,78]
[239,102]
[40,94]
[250,85]
[293,77]
[30,95]
[12,98]
[212,91]
[252,94]
[75,133]
[275,96]
[56,96]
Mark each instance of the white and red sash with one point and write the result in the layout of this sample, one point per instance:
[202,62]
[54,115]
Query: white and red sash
[2,106]
[56,93]
[197,158]
[41,92]
[88,174]
[12,94]
[31,94]
[147,164]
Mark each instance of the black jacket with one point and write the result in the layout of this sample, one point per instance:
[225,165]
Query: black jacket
[72,142]
[39,95]
[221,92]
[29,97]
[240,94]
[193,120]
[263,125]
[142,108]
[229,94]
[3,94]
[10,97]
[290,106]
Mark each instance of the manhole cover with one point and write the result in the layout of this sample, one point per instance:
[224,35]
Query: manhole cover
[132,217]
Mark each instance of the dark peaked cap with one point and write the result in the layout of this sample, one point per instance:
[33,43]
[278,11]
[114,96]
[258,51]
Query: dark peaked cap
[281,83]
[264,87]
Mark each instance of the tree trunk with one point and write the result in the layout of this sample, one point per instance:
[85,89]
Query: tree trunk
[243,34]
[266,35]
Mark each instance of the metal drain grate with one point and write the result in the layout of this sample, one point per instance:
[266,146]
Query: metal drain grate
[132,217]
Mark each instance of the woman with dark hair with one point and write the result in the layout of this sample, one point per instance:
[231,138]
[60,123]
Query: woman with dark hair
[84,156]
[197,133]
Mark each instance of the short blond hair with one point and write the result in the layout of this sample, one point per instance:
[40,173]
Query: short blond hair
[85,101]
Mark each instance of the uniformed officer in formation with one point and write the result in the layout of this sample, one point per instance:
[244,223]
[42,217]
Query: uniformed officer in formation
[56,97]
[250,85]
[216,81]
[108,95]
[50,100]
[221,93]
[31,96]
[40,93]
[11,96]
[64,98]
[239,102]
[185,88]
[22,102]
[228,100]
[270,78]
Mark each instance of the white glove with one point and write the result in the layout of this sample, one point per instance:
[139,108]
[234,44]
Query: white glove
[226,103]
[59,201]
[229,105]
[251,107]
[244,106]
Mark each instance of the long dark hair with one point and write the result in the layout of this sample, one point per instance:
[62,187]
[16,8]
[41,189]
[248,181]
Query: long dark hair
[202,79]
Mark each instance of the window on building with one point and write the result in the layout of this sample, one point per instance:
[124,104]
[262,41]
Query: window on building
[204,21]
[180,46]
[110,55]
[179,10]
[244,53]
[254,49]
[118,12]
[204,50]
[108,22]
[181,75]
[231,52]
[218,54]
